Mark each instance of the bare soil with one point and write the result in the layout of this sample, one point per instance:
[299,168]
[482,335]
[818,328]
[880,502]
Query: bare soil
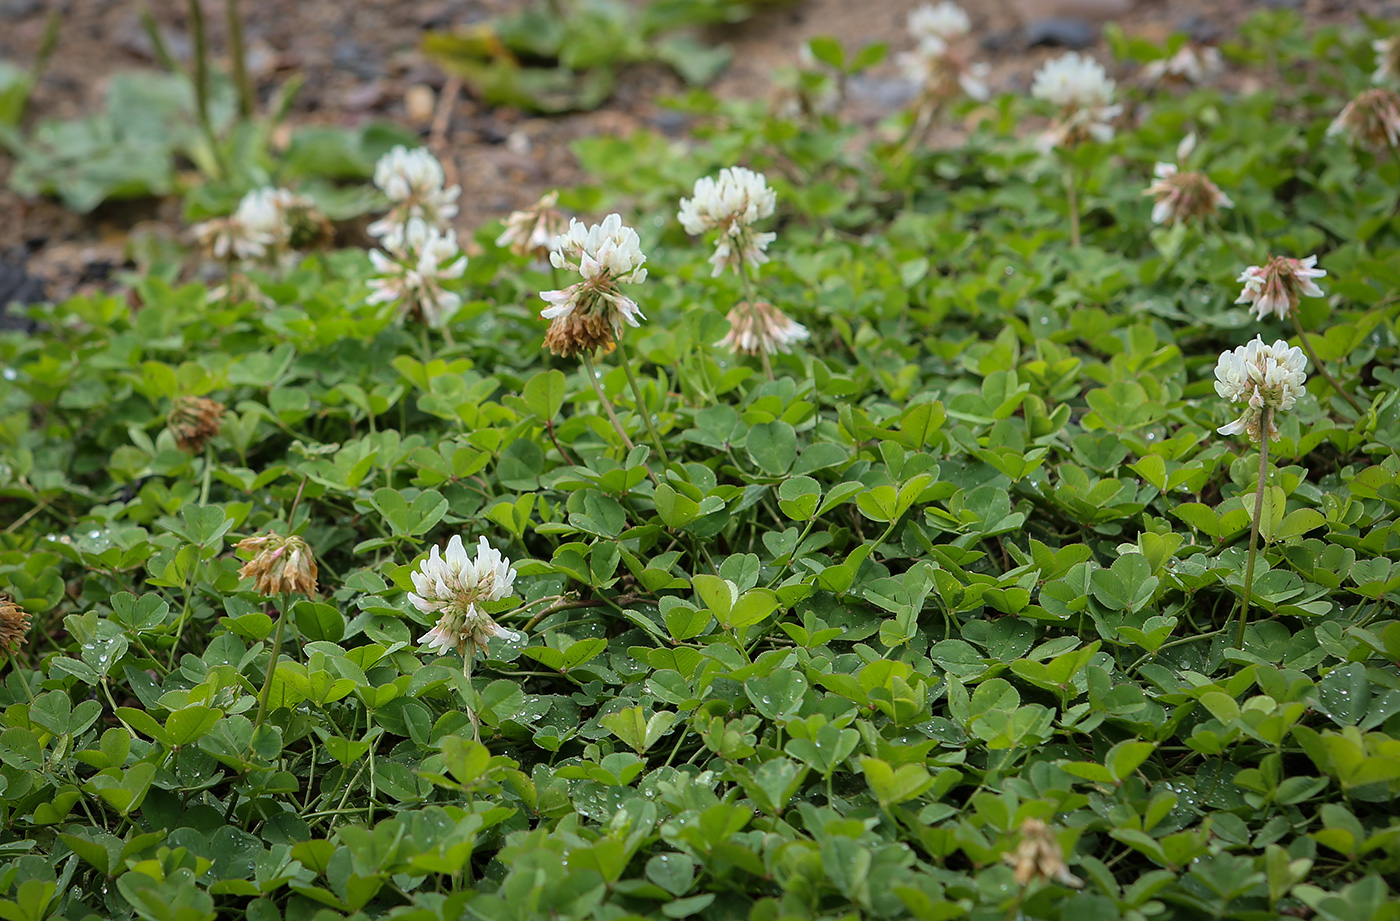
[361,57]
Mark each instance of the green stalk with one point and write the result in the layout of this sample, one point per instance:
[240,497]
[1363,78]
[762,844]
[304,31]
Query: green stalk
[208,468]
[1322,369]
[1073,198]
[641,402]
[467,655]
[266,693]
[1265,418]
[603,398]
[749,297]
[201,85]
[240,65]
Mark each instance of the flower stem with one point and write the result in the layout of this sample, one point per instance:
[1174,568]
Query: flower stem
[201,86]
[1072,196]
[1322,369]
[284,602]
[469,704]
[749,298]
[603,398]
[641,403]
[240,65]
[208,467]
[1265,422]
[767,365]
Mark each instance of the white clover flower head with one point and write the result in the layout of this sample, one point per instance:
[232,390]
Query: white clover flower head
[1387,59]
[1183,196]
[1372,119]
[946,23]
[1260,376]
[1278,285]
[409,271]
[453,585]
[257,228]
[762,329]
[1080,88]
[591,313]
[533,231]
[940,72]
[732,204]
[1191,65]
[413,181]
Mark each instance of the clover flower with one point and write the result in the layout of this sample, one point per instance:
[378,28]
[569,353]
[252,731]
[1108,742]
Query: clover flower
[193,421]
[255,227]
[1039,857]
[946,23]
[940,72]
[1372,119]
[14,625]
[1189,66]
[417,258]
[589,315]
[1278,285]
[413,181]
[452,586]
[1081,90]
[1260,376]
[533,230]
[762,329]
[279,564]
[1183,196]
[1387,59]
[731,204]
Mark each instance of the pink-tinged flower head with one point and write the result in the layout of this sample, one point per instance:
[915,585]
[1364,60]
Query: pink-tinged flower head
[1371,120]
[1278,285]
[452,585]
[590,314]
[941,72]
[1259,376]
[1192,65]
[763,329]
[1183,196]
[1387,59]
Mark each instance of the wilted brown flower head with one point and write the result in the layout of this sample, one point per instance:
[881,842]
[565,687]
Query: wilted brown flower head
[193,421]
[1372,119]
[580,332]
[761,328]
[307,227]
[279,564]
[1039,857]
[14,624]
[530,232]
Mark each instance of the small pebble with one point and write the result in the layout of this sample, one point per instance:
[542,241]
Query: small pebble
[419,101]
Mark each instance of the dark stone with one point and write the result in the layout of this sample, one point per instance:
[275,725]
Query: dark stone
[18,9]
[357,59]
[17,286]
[670,122]
[1005,40]
[1199,28]
[1062,32]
